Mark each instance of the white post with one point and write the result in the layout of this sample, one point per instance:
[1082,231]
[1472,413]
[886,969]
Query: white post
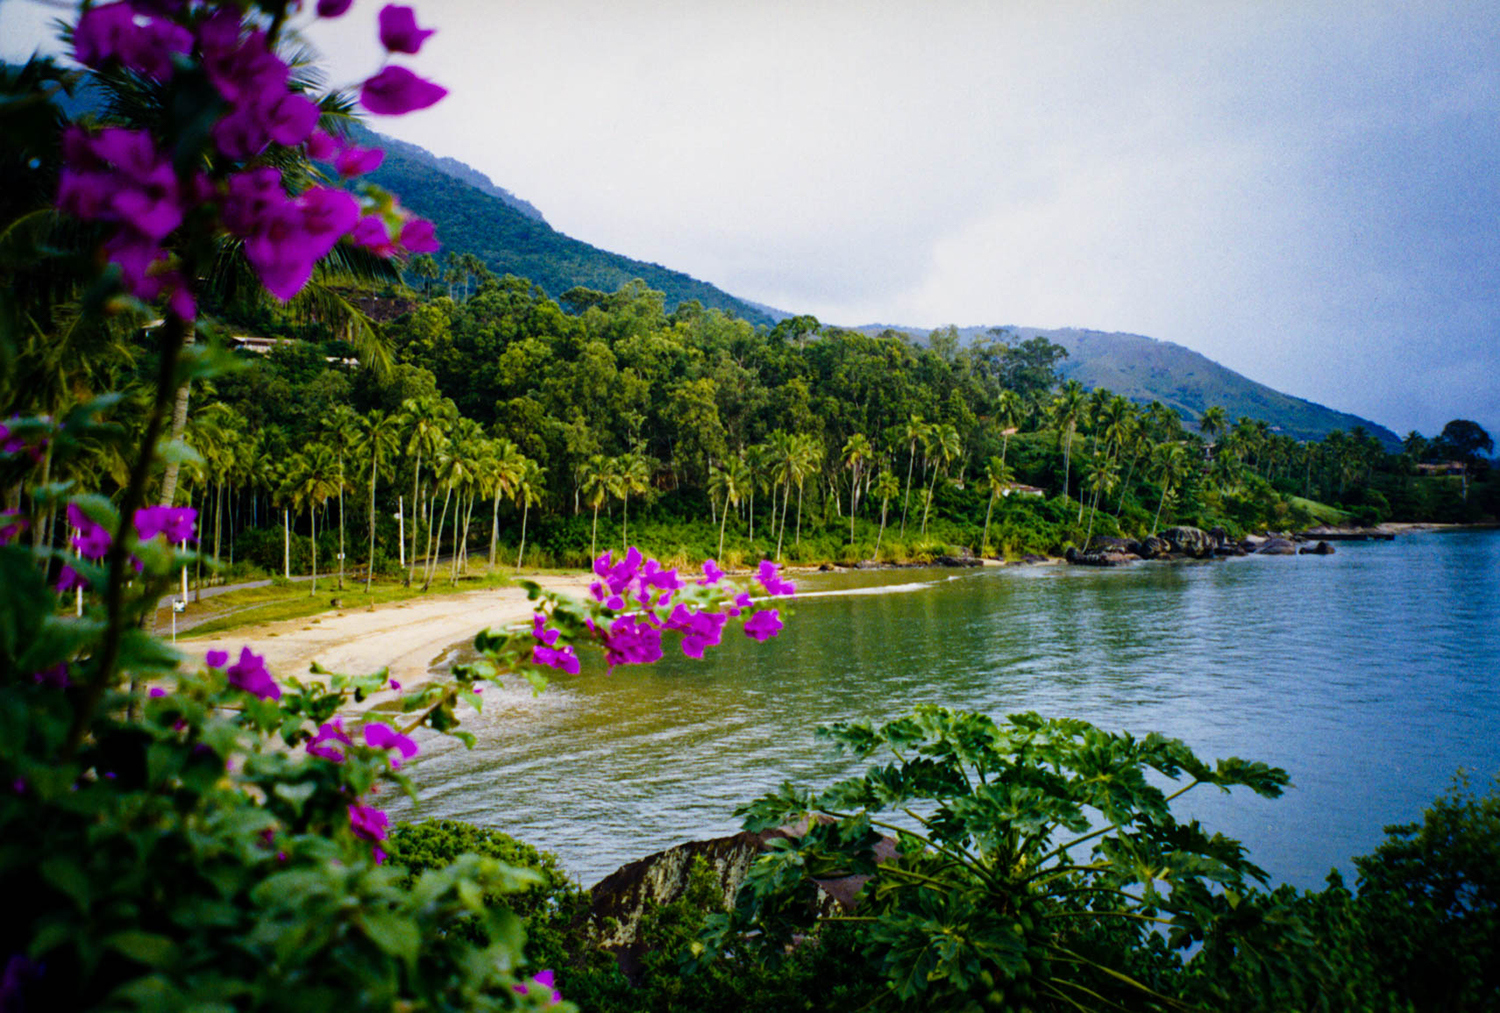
[183,547]
[286,541]
[401,519]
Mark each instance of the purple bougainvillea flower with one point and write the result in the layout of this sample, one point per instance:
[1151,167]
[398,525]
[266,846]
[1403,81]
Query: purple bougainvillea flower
[417,236]
[56,676]
[369,824]
[546,980]
[251,675]
[378,736]
[395,685]
[331,732]
[398,29]
[373,234]
[774,585]
[112,32]
[563,658]
[763,625]
[92,541]
[321,146]
[354,161]
[700,630]
[177,523]
[632,642]
[157,692]
[332,8]
[711,573]
[217,659]
[69,579]
[11,523]
[396,91]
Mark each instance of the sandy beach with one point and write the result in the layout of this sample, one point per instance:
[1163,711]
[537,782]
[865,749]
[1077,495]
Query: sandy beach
[405,637]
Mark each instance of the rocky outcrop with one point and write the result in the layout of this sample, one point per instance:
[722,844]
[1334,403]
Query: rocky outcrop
[1192,542]
[958,561]
[618,901]
[1321,549]
[1100,558]
[1152,547]
[1109,543]
[1277,547]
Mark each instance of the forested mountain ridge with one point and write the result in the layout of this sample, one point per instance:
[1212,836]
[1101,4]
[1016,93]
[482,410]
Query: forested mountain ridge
[511,237]
[1146,369]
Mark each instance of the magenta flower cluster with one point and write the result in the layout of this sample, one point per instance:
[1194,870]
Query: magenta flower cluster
[249,673]
[127,178]
[92,540]
[544,980]
[643,590]
[370,825]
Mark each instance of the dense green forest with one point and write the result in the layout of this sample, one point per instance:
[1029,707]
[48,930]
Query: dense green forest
[558,428]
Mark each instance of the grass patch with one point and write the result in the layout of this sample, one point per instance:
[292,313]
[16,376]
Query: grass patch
[1320,512]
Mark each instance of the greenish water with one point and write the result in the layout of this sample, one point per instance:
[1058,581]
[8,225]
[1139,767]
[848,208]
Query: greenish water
[1370,675]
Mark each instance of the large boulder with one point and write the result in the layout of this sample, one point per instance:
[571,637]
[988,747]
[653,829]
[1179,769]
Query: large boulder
[1099,558]
[618,901]
[1218,536]
[1152,546]
[1321,549]
[1109,543]
[1277,547]
[1192,542]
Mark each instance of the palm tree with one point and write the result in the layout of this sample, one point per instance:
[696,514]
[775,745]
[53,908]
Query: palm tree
[376,439]
[1170,460]
[1067,409]
[807,452]
[425,420]
[999,477]
[1106,475]
[338,428]
[528,493]
[914,429]
[886,486]
[948,447]
[500,472]
[1008,411]
[313,478]
[857,450]
[1212,422]
[632,475]
[599,484]
[730,480]
[758,461]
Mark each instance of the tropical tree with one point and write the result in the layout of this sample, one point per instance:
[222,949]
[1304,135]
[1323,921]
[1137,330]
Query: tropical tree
[946,448]
[999,477]
[500,474]
[338,428]
[1170,461]
[313,476]
[376,440]
[424,420]
[1009,410]
[729,480]
[886,485]
[857,450]
[913,431]
[599,485]
[1212,422]
[529,491]
[1103,479]
[1067,408]
[632,475]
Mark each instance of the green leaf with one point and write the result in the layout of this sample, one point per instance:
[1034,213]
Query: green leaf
[296,794]
[66,875]
[394,934]
[146,947]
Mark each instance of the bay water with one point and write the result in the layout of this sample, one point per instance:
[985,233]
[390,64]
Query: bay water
[1372,676]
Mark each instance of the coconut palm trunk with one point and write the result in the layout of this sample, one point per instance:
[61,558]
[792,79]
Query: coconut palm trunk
[433,555]
[525,509]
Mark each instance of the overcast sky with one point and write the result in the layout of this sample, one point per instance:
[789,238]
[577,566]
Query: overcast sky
[1308,193]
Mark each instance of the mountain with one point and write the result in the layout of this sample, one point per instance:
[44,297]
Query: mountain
[1144,369]
[473,215]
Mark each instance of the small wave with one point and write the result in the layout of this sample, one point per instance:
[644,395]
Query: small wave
[883,589]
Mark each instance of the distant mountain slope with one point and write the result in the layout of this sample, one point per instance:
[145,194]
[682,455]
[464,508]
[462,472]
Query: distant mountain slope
[473,215]
[1145,369]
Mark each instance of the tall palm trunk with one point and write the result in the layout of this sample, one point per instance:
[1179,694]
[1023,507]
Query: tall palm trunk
[525,508]
[179,423]
[415,481]
[1159,503]
[312,517]
[799,515]
[927,507]
[911,459]
[431,554]
[594,537]
[429,560]
[494,527]
[984,541]
[625,520]
[883,504]
[286,541]
[722,523]
[370,565]
[341,522]
[782,535]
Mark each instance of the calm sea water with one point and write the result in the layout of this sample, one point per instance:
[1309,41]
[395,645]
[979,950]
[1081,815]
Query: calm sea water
[1371,676]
